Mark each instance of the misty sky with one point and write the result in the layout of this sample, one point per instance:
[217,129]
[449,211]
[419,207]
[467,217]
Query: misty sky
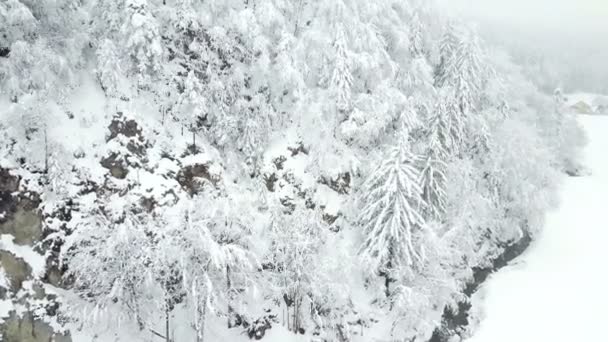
[588,17]
[571,36]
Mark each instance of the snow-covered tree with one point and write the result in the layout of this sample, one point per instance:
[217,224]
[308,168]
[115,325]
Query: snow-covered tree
[109,261]
[462,68]
[142,40]
[447,50]
[211,256]
[295,241]
[341,78]
[391,217]
[417,48]
[446,126]
[433,180]
[109,70]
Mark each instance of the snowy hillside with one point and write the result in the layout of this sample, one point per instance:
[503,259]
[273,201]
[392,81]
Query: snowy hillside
[561,280]
[228,170]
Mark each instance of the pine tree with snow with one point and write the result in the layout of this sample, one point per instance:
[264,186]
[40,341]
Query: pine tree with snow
[445,127]
[433,182]
[391,217]
[341,78]
[447,49]
[109,69]
[143,42]
[462,68]
[417,48]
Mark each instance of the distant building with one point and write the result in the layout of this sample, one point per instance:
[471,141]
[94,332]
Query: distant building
[582,107]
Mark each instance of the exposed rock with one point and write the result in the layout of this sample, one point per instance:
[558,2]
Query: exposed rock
[270,180]
[339,184]
[8,183]
[120,125]
[278,162]
[25,224]
[116,165]
[132,140]
[257,329]
[19,213]
[27,328]
[54,276]
[39,292]
[300,148]
[22,220]
[148,203]
[454,322]
[288,203]
[4,51]
[16,269]
[329,219]
[194,177]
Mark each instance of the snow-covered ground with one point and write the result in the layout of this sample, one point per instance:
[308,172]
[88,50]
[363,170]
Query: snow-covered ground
[558,290]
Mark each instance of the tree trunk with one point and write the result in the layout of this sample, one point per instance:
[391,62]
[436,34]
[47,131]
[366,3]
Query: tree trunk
[167,325]
[46,152]
[199,318]
[387,276]
[230,309]
[193,138]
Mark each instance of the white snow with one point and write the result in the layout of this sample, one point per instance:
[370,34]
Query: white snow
[557,291]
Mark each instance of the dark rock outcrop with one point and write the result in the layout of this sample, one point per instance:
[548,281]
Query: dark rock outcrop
[21,218]
[256,329]
[16,269]
[116,165]
[19,211]
[122,126]
[193,178]
[27,328]
[339,184]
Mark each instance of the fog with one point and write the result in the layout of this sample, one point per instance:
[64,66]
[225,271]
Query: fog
[560,42]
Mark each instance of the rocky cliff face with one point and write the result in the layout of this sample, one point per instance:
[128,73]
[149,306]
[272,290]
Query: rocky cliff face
[29,311]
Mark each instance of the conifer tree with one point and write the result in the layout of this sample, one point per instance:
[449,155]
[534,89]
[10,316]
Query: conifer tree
[391,216]
[341,78]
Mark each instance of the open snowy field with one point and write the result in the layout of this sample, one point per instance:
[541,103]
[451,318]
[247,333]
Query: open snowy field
[557,291]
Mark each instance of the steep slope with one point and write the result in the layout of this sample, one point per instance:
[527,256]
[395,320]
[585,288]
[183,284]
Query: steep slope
[199,169]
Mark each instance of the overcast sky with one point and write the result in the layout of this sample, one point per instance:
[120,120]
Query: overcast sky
[572,34]
[588,17]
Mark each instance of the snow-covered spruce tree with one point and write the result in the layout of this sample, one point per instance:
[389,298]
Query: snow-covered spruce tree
[143,40]
[445,128]
[417,43]
[463,68]
[109,69]
[447,53]
[433,180]
[191,105]
[391,217]
[341,78]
